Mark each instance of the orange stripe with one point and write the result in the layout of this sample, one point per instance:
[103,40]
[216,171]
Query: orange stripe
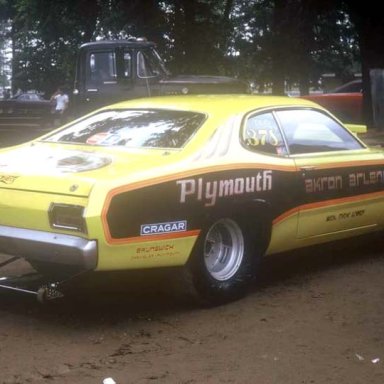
[285,215]
[200,171]
[165,236]
[326,203]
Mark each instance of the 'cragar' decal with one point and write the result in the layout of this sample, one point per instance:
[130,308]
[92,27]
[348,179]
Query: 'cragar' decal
[210,191]
[160,228]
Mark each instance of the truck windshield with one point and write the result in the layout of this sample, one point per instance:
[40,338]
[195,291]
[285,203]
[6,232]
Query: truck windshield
[149,64]
[133,128]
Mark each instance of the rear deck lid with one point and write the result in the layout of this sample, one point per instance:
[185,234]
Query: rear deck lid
[52,171]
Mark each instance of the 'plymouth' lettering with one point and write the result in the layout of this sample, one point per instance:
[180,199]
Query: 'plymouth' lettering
[210,191]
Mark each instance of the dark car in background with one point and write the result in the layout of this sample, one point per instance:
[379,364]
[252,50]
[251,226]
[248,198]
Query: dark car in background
[33,97]
[25,109]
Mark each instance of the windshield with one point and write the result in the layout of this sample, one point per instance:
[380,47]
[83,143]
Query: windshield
[133,128]
[149,64]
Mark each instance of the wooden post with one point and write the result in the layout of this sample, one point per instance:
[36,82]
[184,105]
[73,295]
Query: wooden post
[377,93]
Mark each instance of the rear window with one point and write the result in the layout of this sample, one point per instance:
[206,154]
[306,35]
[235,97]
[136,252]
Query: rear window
[133,128]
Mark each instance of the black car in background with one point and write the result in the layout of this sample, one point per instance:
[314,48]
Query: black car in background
[25,109]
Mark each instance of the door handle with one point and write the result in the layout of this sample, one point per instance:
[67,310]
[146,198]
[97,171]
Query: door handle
[307,168]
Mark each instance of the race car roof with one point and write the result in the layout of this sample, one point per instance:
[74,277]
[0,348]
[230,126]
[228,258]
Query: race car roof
[212,103]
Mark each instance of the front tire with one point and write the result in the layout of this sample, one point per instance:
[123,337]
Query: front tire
[223,262]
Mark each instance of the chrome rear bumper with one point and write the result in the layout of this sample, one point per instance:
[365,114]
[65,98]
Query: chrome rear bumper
[46,247]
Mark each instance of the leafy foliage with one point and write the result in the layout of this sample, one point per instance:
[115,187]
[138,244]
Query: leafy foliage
[267,41]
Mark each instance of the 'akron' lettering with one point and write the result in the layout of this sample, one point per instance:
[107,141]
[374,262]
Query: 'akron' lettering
[210,191]
[325,183]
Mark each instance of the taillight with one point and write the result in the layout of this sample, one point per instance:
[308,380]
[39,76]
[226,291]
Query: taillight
[68,217]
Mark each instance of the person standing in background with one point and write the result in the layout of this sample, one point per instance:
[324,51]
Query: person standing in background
[61,100]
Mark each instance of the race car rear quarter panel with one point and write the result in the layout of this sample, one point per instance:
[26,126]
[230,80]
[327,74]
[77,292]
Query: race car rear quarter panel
[157,223]
[29,209]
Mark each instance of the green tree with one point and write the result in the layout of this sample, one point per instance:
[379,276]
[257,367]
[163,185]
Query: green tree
[295,41]
[46,37]
[198,36]
[271,41]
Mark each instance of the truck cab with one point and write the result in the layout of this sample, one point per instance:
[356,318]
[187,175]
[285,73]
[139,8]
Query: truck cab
[108,71]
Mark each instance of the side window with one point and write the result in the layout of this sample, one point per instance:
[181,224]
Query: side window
[127,64]
[261,134]
[309,131]
[101,67]
[147,66]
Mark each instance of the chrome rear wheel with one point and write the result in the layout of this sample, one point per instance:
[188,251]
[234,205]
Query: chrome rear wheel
[224,260]
[223,249]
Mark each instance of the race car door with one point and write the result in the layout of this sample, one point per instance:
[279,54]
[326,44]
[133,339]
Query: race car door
[341,182]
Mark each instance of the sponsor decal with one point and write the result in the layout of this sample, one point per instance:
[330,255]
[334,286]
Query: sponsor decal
[354,179]
[155,248]
[48,160]
[6,179]
[81,161]
[346,215]
[209,191]
[161,228]
[366,178]
[325,183]
[156,251]
[105,138]
[97,138]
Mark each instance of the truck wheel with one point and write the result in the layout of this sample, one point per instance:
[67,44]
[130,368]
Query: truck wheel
[223,262]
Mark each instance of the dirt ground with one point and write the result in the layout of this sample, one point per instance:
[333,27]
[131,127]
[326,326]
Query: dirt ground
[314,316]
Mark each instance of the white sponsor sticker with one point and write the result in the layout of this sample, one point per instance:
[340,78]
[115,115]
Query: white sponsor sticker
[160,228]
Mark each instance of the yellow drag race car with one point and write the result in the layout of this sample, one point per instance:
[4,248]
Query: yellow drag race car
[209,183]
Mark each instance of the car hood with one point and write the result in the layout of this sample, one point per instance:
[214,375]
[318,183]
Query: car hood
[56,169]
